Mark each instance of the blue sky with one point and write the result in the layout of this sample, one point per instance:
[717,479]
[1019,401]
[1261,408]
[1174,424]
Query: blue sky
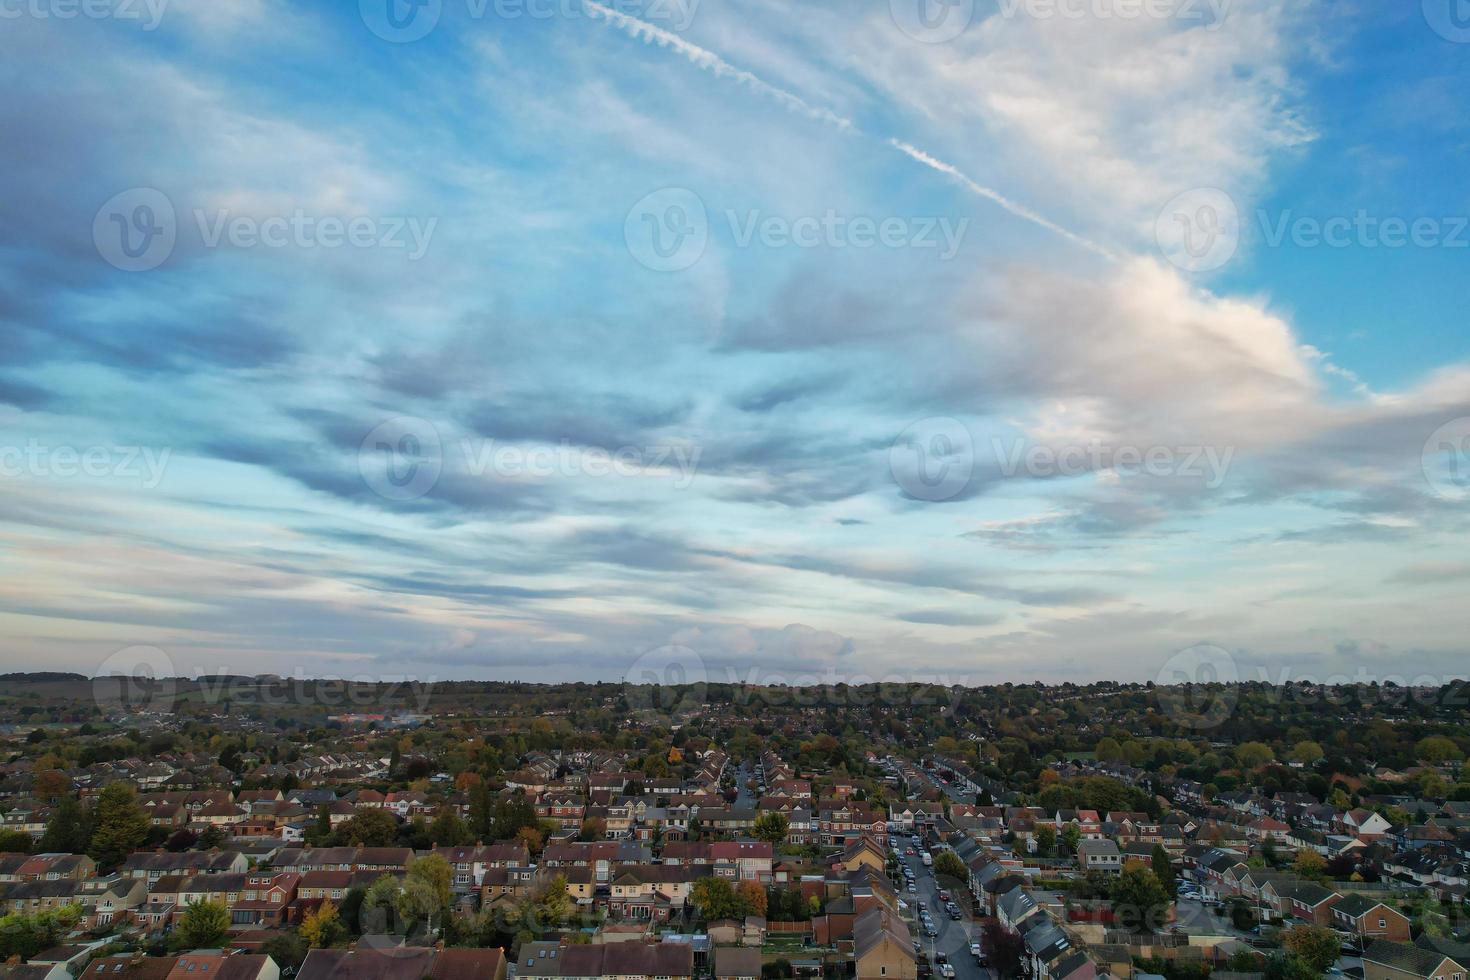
[776,341]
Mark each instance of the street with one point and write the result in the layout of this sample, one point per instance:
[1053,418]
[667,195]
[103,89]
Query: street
[954,936]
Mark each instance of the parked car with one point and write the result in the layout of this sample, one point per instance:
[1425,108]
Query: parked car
[943,896]
[947,971]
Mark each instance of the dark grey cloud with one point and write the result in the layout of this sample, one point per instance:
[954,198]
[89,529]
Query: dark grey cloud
[21,394]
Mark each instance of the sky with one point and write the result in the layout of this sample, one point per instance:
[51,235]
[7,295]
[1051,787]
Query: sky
[960,340]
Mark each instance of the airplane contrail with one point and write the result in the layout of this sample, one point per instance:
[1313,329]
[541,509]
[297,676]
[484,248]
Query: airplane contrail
[641,30]
[707,60]
[1019,210]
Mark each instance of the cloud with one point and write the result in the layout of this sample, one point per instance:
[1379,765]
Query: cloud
[796,647]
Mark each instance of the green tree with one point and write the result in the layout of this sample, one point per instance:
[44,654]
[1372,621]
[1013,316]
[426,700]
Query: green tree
[378,907]
[1163,868]
[448,830]
[1046,840]
[948,864]
[66,831]
[204,925]
[1139,899]
[320,833]
[121,826]
[771,826]
[1253,755]
[1436,749]
[368,828]
[26,935]
[1307,753]
[435,872]
[482,811]
[1071,837]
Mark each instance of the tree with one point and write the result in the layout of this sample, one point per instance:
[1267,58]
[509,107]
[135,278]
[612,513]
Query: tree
[1163,868]
[531,837]
[716,899]
[378,907]
[771,826]
[1139,899]
[427,890]
[448,830]
[948,864]
[1436,749]
[553,904]
[753,897]
[1307,753]
[320,833]
[121,826]
[213,838]
[51,785]
[1046,840]
[288,949]
[1318,947]
[204,925]
[1071,837]
[1253,755]
[482,810]
[66,832]
[24,935]
[1108,750]
[369,828]
[1310,864]
[1003,947]
[321,927]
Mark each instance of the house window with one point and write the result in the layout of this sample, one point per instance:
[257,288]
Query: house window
[1383,923]
[882,971]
